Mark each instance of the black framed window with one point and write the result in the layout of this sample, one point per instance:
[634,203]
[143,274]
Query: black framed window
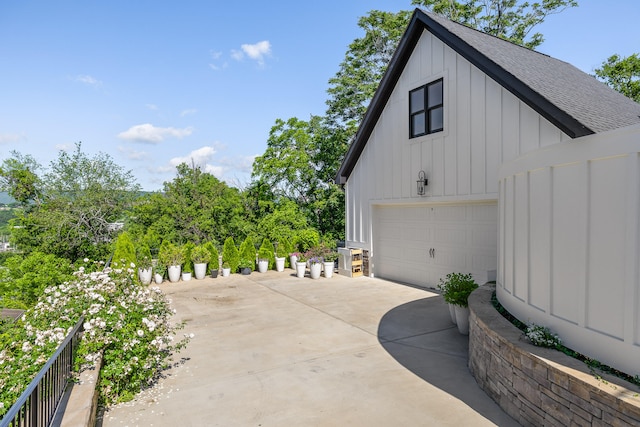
[426,109]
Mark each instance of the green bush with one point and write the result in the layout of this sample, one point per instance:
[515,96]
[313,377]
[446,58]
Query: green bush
[22,280]
[306,239]
[130,324]
[213,256]
[187,250]
[248,252]
[266,251]
[200,255]
[125,253]
[230,254]
[170,254]
[143,257]
[456,288]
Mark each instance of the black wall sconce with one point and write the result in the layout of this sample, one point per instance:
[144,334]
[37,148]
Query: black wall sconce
[422,182]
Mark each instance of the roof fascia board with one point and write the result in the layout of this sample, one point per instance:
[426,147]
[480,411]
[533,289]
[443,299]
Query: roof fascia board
[381,96]
[533,99]
[419,22]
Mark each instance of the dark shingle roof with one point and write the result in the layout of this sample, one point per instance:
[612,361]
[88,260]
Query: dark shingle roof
[575,102]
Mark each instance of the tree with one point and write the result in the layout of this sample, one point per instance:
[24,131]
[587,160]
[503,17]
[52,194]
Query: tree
[299,164]
[18,177]
[359,75]
[77,202]
[622,74]
[511,20]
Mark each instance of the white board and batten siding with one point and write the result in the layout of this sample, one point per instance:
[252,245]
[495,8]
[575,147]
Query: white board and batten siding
[484,126]
[569,244]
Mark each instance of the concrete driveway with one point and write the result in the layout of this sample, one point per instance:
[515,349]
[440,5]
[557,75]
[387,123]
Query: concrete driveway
[275,350]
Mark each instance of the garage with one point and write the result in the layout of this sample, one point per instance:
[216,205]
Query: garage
[419,244]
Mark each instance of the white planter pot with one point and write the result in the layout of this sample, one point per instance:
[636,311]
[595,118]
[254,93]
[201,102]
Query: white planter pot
[263,265]
[462,319]
[157,278]
[292,261]
[279,264]
[315,270]
[174,273]
[186,276]
[200,270]
[301,267]
[452,313]
[328,269]
[226,272]
[145,275]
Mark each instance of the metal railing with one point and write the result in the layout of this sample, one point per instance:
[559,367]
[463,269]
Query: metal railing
[38,403]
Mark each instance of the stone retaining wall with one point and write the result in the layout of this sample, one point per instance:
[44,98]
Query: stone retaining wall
[538,386]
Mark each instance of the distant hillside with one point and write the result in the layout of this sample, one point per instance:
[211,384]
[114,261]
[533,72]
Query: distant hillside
[5,198]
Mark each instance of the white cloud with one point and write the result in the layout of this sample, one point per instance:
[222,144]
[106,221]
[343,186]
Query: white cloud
[237,55]
[152,134]
[188,112]
[256,51]
[7,138]
[153,107]
[64,147]
[202,157]
[88,80]
[133,154]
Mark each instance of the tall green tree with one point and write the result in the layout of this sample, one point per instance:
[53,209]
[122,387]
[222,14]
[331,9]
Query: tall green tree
[194,207]
[77,201]
[299,164]
[512,20]
[19,177]
[364,64]
[622,74]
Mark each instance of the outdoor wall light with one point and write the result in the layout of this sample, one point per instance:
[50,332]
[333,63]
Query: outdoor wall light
[422,182]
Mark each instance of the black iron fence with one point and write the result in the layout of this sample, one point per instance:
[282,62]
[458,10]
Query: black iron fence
[37,405]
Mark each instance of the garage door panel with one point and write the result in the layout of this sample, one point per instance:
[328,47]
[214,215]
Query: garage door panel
[464,237]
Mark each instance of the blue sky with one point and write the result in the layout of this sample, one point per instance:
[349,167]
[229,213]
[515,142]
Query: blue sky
[155,83]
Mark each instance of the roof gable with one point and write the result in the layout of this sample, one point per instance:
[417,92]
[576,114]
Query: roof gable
[570,99]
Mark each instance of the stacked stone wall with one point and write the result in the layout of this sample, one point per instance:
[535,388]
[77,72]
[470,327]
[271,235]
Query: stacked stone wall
[538,386]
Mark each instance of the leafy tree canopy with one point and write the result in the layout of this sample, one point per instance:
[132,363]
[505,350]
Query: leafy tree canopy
[511,20]
[622,74]
[77,202]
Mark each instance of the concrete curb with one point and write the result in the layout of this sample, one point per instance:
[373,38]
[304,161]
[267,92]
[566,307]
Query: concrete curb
[80,404]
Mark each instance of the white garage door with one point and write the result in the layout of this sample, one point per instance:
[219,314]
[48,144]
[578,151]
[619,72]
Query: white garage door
[421,244]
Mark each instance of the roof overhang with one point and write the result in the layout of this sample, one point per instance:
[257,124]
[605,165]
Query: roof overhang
[421,21]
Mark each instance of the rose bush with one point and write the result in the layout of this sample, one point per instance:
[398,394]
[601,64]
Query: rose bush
[129,324]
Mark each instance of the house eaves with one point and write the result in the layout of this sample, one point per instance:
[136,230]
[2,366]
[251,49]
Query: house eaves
[570,99]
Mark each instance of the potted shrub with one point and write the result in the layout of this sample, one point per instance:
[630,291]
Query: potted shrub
[247,252]
[245,266]
[281,256]
[264,257]
[200,255]
[315,267]
[226,269]
[301,265]
[158,273]
[171,256]
[214,262]
[457,288]
[263,264]
[442,286]
[293,259]
[329,263]
[230,254]
[145,264]
[187,268]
